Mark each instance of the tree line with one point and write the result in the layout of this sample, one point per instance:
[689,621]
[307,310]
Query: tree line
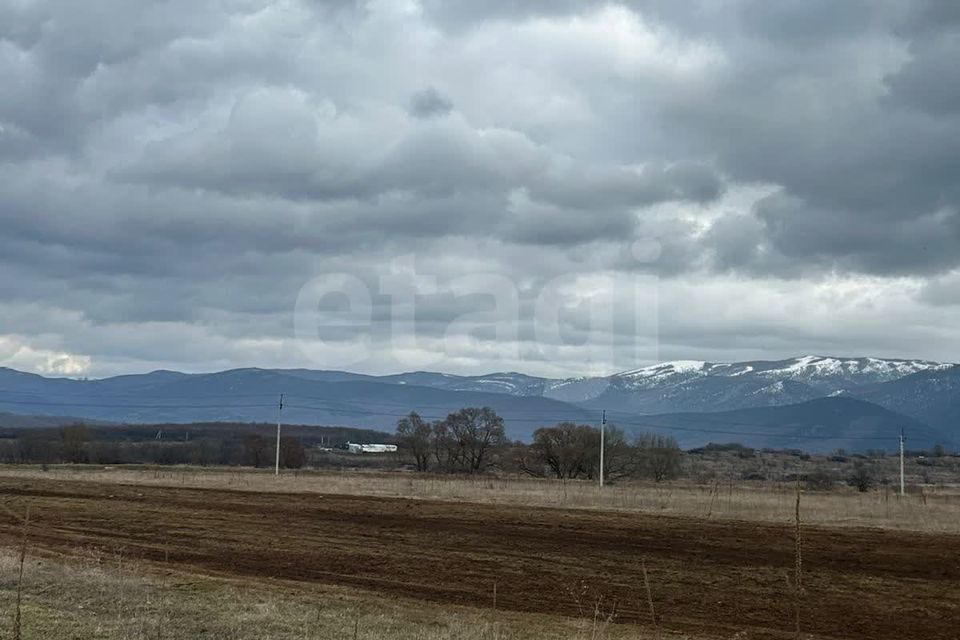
[469,441]
[473,440]
[198,444]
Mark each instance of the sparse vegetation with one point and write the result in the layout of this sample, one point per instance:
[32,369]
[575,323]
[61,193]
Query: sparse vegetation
[820,479]
[862,477]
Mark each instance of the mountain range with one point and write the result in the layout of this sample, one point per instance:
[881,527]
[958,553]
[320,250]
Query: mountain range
[810,402]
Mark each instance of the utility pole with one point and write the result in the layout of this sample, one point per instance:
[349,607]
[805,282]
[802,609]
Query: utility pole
[603,424]
[902,485]
[279,413]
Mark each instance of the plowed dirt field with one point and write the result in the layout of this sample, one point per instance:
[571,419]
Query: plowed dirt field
[708,578]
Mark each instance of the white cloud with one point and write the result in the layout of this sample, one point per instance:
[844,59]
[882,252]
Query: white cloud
[16,352]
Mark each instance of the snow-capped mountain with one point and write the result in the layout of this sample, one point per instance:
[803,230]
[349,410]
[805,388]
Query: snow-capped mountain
[807,369]
[830,371]
[692,385]
[667,373]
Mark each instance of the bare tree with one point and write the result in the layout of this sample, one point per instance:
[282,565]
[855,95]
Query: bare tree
[442,446]
[40,445]
[201,452]
[414,437]
[658,457]
[74,438]
[292,453]
[862,476]
[256,450]
[567,450]
[820,479]
[468,436]
[619,457]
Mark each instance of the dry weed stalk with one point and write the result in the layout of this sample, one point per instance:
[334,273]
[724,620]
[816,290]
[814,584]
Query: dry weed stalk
[798,564]
[714,494]
[600,620]
[495,629]
[17,619]
[163,595]
[578,596]
[653,613]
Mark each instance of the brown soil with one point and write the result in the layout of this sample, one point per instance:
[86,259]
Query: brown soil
[708,578]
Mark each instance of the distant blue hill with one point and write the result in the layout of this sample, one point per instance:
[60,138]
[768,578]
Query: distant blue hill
[251,395]
[811,402]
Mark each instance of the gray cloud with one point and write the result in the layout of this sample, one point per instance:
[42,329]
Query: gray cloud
[429,103]
[171,174]
[943,290]
[923,82]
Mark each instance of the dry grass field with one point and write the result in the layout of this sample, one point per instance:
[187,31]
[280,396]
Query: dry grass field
[123,553]
[930,508]
[107,596]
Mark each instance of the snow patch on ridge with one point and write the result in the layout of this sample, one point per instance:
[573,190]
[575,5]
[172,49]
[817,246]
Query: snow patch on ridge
[815,367]
[666,369]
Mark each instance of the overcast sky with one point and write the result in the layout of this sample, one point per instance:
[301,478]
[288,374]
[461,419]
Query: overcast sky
[775,178]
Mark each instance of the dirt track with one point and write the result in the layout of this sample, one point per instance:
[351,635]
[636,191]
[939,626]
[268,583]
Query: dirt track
[708,578]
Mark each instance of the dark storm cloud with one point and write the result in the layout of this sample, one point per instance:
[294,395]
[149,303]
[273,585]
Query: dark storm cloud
[924,82]
[857,124]
[855,240]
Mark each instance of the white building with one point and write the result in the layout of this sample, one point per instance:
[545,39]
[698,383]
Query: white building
[371,448]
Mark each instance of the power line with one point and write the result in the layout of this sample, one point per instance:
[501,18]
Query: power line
[603,428]
[279,417]
[902,483]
